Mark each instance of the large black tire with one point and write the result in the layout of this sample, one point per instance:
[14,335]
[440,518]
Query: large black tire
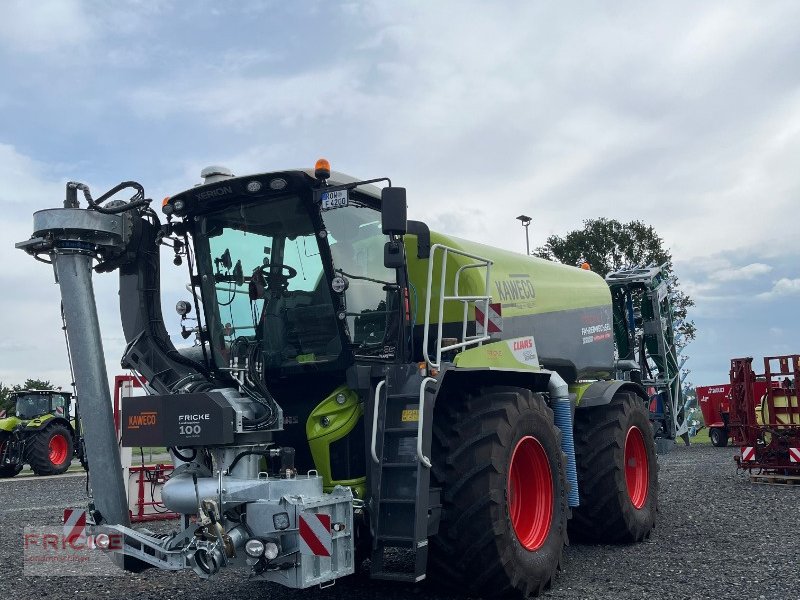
[612,508]
[49,451]
[477,550]
[719,437]
[7,471]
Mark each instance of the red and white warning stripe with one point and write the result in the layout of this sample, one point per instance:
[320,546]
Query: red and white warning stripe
[495,323]
[794,455]
[315,534]
[74,526]
[748,453]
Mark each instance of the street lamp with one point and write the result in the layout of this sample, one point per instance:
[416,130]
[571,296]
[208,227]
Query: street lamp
[526,221]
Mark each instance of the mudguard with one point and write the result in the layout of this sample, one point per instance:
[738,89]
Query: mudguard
[601,393]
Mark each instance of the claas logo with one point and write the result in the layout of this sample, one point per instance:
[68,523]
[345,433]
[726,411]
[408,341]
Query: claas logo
[143,419]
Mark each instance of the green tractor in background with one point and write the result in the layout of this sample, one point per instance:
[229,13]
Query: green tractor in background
[40,433]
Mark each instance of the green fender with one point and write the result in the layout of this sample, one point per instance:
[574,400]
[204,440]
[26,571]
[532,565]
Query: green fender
[9,423]
[45,421]
[600,393]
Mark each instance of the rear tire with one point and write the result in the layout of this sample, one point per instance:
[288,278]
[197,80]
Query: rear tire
[497,457]
[7,471]
[719,437]
[50,450]
[617,472]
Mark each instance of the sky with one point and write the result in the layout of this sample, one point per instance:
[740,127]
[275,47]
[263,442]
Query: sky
[684,115]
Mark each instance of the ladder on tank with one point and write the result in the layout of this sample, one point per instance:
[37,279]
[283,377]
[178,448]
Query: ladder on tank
[406,509]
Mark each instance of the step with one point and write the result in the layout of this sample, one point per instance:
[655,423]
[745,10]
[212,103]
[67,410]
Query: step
[398,500]
[402,430]
[404,540]
[400,465]
[396,576]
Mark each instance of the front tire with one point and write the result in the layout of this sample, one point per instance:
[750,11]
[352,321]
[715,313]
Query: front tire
[617,472]
[719,437]
[10,470]
[497,457]
[50,450]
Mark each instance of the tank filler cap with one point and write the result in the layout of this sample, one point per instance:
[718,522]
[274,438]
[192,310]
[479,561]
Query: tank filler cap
[215,173]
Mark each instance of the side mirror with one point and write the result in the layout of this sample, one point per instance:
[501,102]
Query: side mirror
[393,210]
[394,256]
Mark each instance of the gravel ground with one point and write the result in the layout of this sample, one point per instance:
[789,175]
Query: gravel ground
[718,536]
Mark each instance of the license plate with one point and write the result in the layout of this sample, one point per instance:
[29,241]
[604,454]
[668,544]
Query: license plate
[330,200]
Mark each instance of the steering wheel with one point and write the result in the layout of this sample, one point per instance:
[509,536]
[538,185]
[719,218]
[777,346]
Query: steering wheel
[290,271]
[271,279]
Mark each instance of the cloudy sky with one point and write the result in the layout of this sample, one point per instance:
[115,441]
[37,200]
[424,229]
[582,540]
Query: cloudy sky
[683,115]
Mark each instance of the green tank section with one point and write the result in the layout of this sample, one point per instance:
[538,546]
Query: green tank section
[566,309]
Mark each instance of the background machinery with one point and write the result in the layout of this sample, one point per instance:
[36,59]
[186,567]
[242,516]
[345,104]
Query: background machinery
[766,425]
[348,396]
[715,404]
[40,433]
[649,348]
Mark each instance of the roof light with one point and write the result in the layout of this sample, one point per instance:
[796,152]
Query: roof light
[322,170]
[586,266]
[166,207]
[277,184]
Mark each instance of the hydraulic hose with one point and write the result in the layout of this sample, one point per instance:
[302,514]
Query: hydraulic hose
[562,416]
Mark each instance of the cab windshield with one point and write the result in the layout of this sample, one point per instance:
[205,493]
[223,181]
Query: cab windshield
[30,406]
[264,280]
[267,283]
[372,296]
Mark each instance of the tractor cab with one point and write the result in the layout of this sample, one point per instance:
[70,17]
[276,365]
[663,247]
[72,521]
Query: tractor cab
[30,404]
[291,271]
[291,276]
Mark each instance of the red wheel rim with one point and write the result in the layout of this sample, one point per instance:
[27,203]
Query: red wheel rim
[529,493]
[637,470]
[58,449]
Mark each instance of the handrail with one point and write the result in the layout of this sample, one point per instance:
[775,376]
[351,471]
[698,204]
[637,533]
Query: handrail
[456,297]
[420,455]
[375,409]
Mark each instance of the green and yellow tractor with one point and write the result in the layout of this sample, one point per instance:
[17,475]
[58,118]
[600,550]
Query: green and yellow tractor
[361,387]
[40,433]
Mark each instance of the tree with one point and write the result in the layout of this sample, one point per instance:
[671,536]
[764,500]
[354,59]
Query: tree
[608,245]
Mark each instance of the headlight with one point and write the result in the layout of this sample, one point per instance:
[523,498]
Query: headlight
[271,550]
[281,521]
[254,548]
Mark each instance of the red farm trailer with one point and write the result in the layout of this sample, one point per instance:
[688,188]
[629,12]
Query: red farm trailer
[766,427]
[714,401]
